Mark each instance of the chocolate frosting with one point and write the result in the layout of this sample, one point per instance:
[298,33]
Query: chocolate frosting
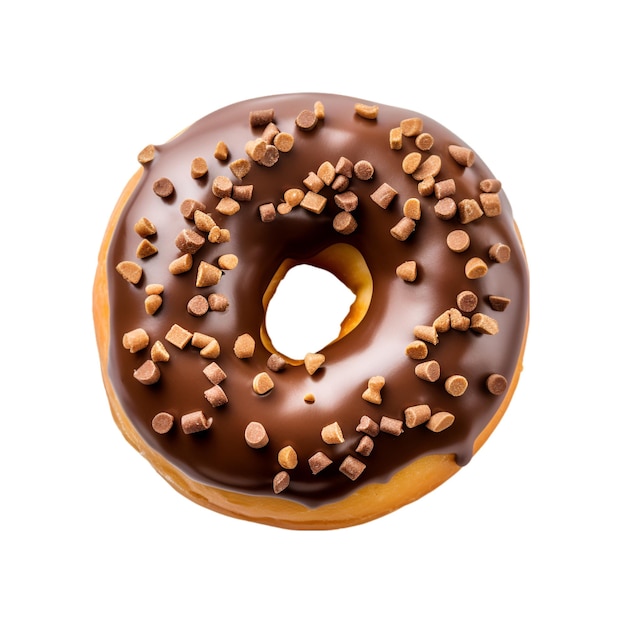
[220,456]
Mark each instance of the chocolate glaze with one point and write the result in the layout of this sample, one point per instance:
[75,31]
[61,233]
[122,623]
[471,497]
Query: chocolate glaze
[220,456]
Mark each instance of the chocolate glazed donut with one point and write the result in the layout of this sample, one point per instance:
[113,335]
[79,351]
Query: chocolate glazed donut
[398,208]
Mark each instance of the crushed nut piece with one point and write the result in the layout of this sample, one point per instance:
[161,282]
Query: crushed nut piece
[332,434]
[129,271]
[195,422]
[458,241]
[428,371]
[391,426]
[313,361]
[456,385]
[135,340]
[475,268]
[440,421]
[163,187]
[373,392]
[416,415]
[148,373]
[244,346]
[287,457]
[484,324]
[318,462]
[496,384]
[262,383]
[407,271]
[147,154]
[162,423]
[463,156]
[178,336]
[351,467]
[216,396]
[367,111]
[368,426]
[145,228]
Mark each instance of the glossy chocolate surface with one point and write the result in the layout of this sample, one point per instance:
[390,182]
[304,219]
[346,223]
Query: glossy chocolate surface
[376,347]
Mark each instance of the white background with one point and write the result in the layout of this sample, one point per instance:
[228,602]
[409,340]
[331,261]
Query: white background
[532,531]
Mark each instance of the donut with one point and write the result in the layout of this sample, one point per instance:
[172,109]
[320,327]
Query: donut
[394,205]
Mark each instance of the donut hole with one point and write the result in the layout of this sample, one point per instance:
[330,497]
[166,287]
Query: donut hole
[312,303]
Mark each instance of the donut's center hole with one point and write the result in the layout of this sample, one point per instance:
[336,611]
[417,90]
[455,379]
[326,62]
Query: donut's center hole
[307,310]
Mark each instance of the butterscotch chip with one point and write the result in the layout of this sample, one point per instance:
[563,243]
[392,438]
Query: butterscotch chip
[269,132]
[189,206]
[163,187]
[204,222]
[429,168]
[148,373]
[154,289]
[428,371]
[445,188]
[222,187]
[326,171]
[270,158]
[416,415]
[306,120]
[214,373]
[309,398]
[144,227]
[261,117]
[284,142]
[276,363]
[496,384]
[287,457]
[162,423]
[199,168]
[403,229]
[484,324]
[135,340]
[147,154]
[218,302]
[490,203]
[384,195]
[365,445]
[331,434]
[293,196]
[426,186]
[412,208]
[368,426]
[195,422]
[228,261]
[367,111]
[412,126]
[463,156]
[211,350]
[318,109]
[458,321]
[227,206]
[344,223]
[424,141]
[313,202]
[440,421]
[256,435]
[208,275]
[499,303]
[363,170]
[240,168]
[189,241]
[313,182]
[283,208]
[475,268]
[280,482]
[500,253]
[442,322]
[411,162]
[445,209]
[181,265]
[267,212]
[344,167]
[197,306]
[221,151]
[469,211]
[178,336]
[426,333]
[244,346]
[255,149]
[348,200]
[318,462]
[395,139]
[242,193]
[158,353]
[351,467]
[373,392]
[129,271]
[216,396]
[391,426]
[145,249]
[152,303]
[200,340]
[458,241]
[407,271]
[467,301]
[456,385]
[262,383]
[490,185]
[313,361]
[417,350]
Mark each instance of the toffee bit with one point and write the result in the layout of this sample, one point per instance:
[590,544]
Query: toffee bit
[261,117]
[429,168]
[267,212]
[318,462]
[458,241]
[188,208]
[490,185]
[162,422]
[427,186]
[228,261]
[216,396]
[313,202]
[158,353]
[178,336]
[363,170]
[403,229]
[284,142]
[276,363]
[373,392]
[484,324]
[445,188]
[313,182]
[440,421]
[426,333]
[424,141]
[154,289]
[200,340]
[135,340]
[269,133]
[227,206]
[130,271]
[326,171]
[490,203]
[352,467]
[214,373]
[244,346]
[208,275]
[384,195]
[331,434]
[411,162]
[145,249]
[189,241]
[313,361]
[280,482]
[309,398]
[262,384]
[428,371]
[221,151]
[255,149]
[475,268]
[195,422]
[365,446]
[500,253]
[240,168]
[456,385]
[148,373]
[412,126]
[197,306]
[442,323]
[391,426]
[469,211]
[368,426]
[147,154]
[222,187]
[467,301]
[416,415]
[287,458]
[416,350]
[395,138]
[445,209]
[163,187]
[218,302]
[211,350]
[319,110]
[242,193]
[199,167]
[293,197]
[496,384]
[181,265]
[463,156]
[145,228]
[306,120]
[344,223]
[347,201]
[344,167]
[256,436]
[367,111]
[458,321]
[412,208]
[407,271]
[499,303]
